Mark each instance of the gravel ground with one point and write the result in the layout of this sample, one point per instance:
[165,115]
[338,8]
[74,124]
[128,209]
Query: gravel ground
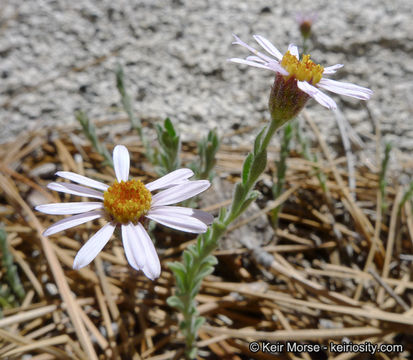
[58,56]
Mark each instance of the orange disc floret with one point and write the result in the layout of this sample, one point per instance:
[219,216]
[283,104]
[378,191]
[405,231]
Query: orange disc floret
[127,201]
[304,70]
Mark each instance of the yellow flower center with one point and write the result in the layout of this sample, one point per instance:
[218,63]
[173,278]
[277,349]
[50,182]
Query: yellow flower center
[304,70]
[127,201]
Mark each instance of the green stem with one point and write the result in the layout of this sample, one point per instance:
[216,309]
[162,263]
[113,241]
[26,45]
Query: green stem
[198,261]
[269,133]
[209,244]
[281,171]
[305,47]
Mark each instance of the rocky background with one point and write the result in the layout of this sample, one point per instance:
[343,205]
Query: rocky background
[58,56]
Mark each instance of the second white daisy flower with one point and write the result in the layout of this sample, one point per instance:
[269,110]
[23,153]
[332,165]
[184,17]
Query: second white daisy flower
[304,74]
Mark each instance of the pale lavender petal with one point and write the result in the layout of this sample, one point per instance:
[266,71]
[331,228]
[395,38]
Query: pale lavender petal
[134,250]
[82,180]
[180,193]
[332,69]
[293,50]
[75,190]
[238,41]
[121,162]
[203,216]
[274,66]
[181,218]
[181,223]
[68,208]
[72,222]
[173,178]
[270,48]
[346,89]
[317,95]
[255,59]
[93,246]
[152,267]
[251,63]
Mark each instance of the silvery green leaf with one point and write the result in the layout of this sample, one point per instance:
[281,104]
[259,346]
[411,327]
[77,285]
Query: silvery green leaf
[188,259]
[206,270]
[246,168]
[252,196]
[211,260]
[175,302]
[258,166]
[199,322]
[257,143]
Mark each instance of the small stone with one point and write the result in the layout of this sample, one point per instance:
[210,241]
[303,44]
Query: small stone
[45,169]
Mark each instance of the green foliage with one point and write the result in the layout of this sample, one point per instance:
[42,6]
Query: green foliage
[408,195]
[170,146]
[197,263]
[278,188]
[246,168]
[207,149]
[134,121]
[126,100]
[197,260]
[305,152]
[257,166]
[90,131]
[12,277]
[383,171]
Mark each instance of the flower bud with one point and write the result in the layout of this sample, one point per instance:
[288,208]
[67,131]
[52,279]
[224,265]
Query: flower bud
[286,99]
[305,23]
[305,29]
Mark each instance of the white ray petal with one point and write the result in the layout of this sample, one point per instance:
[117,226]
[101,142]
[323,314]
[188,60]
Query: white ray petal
[180,193]
[238,41]
[203,216]
[270,48]
[274,66]
[152,267]
[121,162]
[72,222]
[251,63]
[93,246]
[293,49]
[317,95]
[255,59]
[332,69]
[173,178]
[346,89]
[178,221]
[75,190]
[68,208]
[134,250]
[82,180]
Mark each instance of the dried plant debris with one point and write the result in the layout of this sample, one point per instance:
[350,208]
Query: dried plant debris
[333,278]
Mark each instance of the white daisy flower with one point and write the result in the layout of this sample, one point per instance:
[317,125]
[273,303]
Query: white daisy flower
[308,76]
[127,203]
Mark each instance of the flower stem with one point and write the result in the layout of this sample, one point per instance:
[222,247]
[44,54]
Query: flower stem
[270,130]
[198,260]
[278,188]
